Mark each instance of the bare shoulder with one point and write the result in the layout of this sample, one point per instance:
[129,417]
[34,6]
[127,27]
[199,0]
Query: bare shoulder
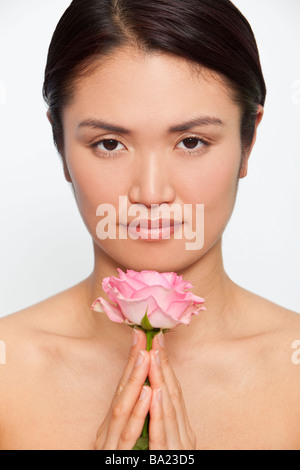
[275,332]
[24,334]
[284,334]
[263,315]
[46,349]
[47,315]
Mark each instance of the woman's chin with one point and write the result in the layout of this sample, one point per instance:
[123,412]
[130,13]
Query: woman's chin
[139,255]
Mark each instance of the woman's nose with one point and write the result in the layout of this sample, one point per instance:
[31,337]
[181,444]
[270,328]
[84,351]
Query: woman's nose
[150,182]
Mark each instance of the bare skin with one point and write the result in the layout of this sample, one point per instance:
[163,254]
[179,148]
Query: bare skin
[226,382]
[63,370]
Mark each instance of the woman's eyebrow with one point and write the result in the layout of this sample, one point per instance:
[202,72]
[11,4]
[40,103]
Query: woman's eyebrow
[99,124]
[197,122]
[185,126]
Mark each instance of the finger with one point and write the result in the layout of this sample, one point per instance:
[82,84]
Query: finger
[139,342]
[157,380]
[126,401]
[169,374]
[135,424]
[174,389]
[157,433]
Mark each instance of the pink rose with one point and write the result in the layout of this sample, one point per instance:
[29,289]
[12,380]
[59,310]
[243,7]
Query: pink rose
[163,296]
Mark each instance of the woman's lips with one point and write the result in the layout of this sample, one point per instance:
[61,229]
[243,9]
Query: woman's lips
[154,230]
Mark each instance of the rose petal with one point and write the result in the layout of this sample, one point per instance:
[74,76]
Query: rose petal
[97,307]
[106,284]
[177,308]
[162,295]
[113,313]
[131,273]
[160,319]
[194,298]
[123,287]
[153,278]
[136,284]
[135,310]
[121,273]
[183,286]
[113,294]
[187,315]
[171,278]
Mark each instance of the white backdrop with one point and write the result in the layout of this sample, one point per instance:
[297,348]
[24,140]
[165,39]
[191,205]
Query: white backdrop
[44,245]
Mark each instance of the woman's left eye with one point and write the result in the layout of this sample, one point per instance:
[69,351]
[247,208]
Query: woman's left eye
[109,145]
[192,144]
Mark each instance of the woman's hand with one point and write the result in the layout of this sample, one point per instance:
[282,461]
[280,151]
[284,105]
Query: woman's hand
[169,425]
[125,419]
[169,428]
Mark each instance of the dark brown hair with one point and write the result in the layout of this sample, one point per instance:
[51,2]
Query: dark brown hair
[211,33]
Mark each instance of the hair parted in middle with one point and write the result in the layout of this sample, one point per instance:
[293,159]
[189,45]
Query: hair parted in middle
[209,33]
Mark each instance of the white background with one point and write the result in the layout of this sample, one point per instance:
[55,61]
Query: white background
[44,245]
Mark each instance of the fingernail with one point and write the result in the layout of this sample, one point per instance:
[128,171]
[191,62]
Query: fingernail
[159,394]
[134,337]
[161,340]
[157,358]
[143,393]
[140,358]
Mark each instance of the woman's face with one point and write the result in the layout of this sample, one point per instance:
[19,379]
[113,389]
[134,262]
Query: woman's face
[128,132]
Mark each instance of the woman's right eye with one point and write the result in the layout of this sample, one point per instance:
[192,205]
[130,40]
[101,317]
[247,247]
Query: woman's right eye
[108,146]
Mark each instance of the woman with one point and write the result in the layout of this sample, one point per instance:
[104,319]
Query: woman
[158,102]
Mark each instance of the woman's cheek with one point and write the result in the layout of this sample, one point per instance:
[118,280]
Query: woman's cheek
[217,190]
[93,186]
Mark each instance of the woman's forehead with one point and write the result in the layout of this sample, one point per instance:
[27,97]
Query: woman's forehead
[158,85]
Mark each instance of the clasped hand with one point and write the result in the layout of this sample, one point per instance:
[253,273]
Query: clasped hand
[169,427]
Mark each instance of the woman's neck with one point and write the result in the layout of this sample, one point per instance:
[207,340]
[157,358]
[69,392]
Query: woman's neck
[210,281]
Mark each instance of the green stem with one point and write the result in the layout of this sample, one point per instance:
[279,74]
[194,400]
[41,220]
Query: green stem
[143,441]
[145,431]
[150,335]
